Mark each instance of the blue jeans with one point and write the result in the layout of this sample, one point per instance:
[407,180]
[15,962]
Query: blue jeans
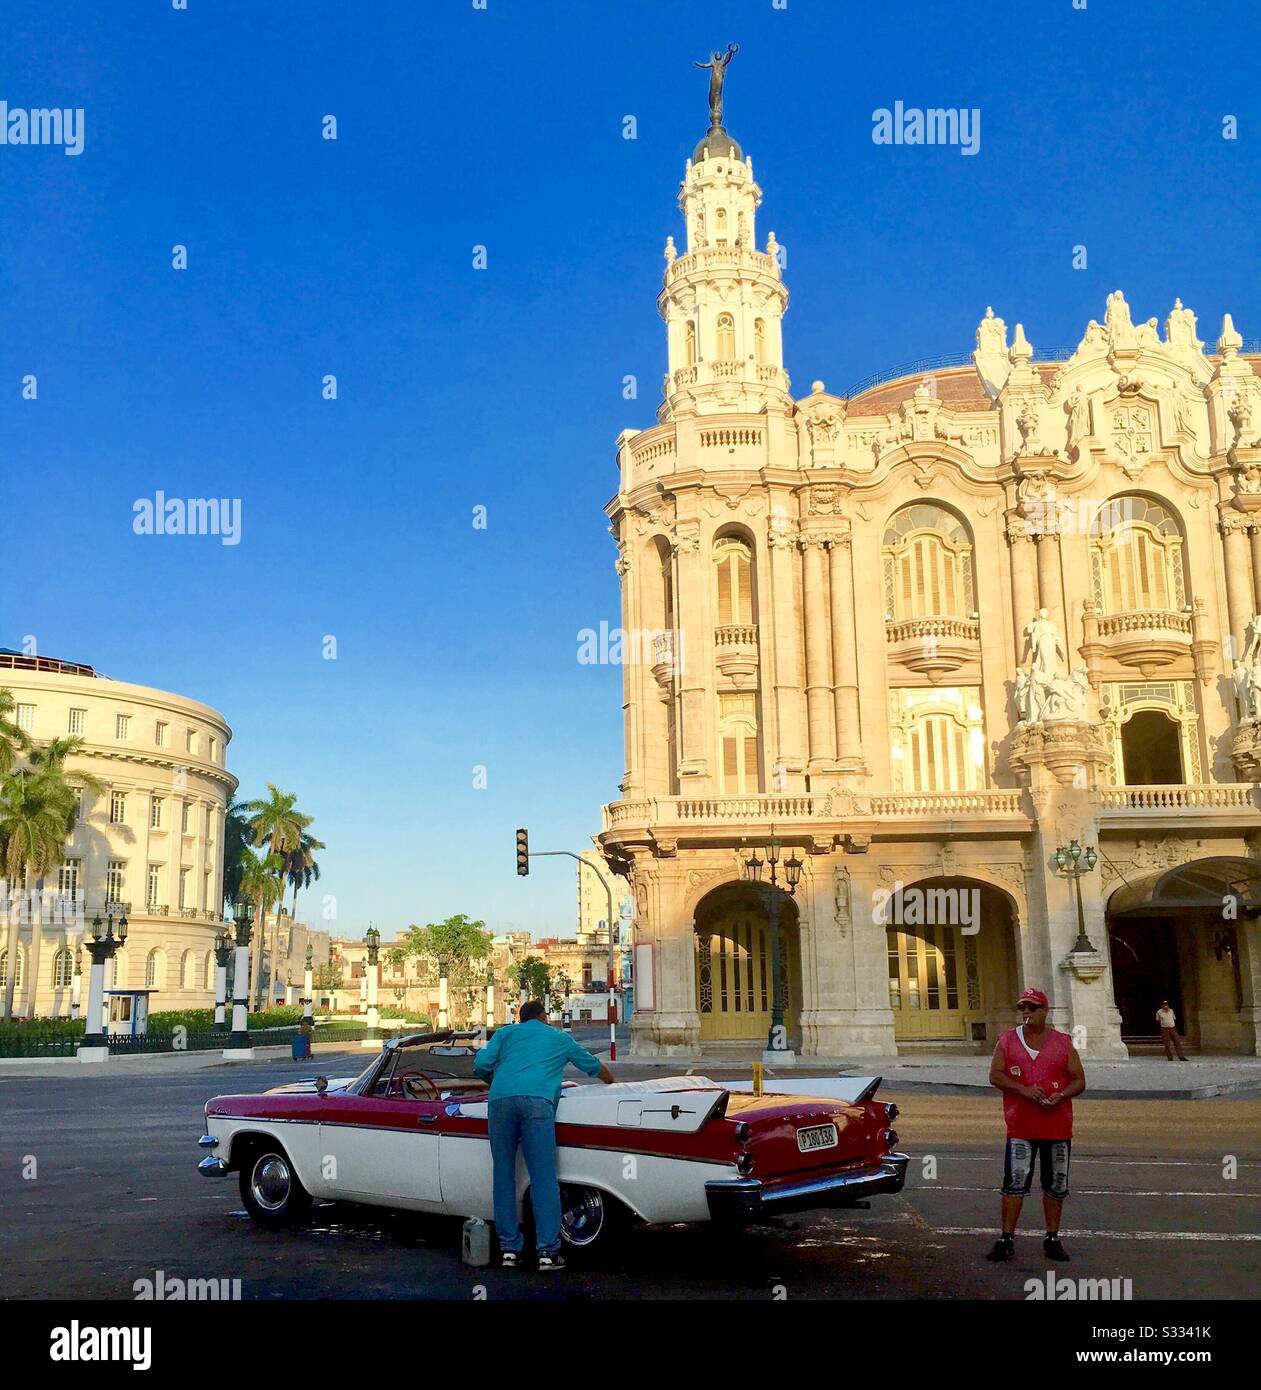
[530,1123]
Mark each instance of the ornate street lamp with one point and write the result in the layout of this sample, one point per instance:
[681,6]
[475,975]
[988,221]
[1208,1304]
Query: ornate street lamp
[242,927]
[1072,863]
[773,898]
[373,938]
[106,939]
[308,991]
[223,954]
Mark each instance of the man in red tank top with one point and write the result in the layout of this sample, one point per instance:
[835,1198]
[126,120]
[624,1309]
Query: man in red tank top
[1039,1072]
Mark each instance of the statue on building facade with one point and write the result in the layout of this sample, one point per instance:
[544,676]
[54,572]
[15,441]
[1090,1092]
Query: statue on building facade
[717,73]
[1042,692]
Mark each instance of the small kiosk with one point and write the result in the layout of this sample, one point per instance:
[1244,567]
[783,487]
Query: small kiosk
[128,1012]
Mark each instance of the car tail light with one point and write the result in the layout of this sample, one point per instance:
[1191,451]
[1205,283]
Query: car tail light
[744,1165]
[891,1112]
[743,1131]
[889,1138]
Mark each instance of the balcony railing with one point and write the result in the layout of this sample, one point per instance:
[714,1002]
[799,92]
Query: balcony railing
[1216,796]
[1114,624]
[994,801]
[736,635]
[916,629]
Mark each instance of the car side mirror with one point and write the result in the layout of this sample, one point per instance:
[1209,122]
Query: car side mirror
[321,1084]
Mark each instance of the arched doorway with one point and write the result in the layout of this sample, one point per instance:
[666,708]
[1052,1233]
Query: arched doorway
[951,961]
[733,946]
[1177,934]
[1151,747]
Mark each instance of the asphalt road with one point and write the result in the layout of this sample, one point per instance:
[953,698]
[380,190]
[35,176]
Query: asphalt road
[116,1197]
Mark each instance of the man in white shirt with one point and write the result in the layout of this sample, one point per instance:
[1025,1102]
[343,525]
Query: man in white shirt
[1168,1023]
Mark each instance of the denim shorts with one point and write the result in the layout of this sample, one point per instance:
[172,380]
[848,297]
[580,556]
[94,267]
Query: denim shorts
[1018,1161]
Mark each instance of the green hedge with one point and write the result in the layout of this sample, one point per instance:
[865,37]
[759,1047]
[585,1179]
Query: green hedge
[407,1016]
[160,1024]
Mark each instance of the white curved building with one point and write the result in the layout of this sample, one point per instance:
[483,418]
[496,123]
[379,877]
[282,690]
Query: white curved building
[152,839]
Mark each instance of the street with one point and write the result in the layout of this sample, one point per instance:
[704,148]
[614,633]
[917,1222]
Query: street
[116,1197]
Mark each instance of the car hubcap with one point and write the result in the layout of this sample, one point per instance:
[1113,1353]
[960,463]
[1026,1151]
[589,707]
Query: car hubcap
[581,1214]
[271,1182]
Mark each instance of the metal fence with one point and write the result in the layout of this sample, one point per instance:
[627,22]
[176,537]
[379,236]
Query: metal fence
[37,1045]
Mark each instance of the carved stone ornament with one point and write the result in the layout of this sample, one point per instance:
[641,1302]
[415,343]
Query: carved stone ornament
[1071,752]
[1088,966]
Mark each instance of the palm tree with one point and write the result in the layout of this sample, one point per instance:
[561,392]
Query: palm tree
[277,823]
[237,838]
[261,885]
[35,810]
[301,868]
[13,740]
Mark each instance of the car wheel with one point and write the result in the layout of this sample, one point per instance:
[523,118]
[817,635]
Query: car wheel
[270,1188]
[588,1218]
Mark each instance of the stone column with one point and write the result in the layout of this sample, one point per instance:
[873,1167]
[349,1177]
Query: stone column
[1239,599]
[787,675]
[820,709]
[1024,600]
[633,673]
[1051,585]
[844,650]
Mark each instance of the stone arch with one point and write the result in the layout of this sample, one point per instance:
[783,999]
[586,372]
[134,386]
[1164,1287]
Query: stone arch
[954,956]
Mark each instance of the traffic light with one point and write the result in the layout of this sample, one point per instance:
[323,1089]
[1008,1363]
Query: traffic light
[523,852]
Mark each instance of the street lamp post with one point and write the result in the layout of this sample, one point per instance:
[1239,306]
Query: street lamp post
[443,994]
[490,995]
[95,1044]
[223,954]
[239,1040]
[308,991]
[373,938]
[773,898]
[76,984]
[1072,863]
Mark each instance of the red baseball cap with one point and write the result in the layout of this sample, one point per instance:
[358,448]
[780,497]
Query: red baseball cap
[1033,996]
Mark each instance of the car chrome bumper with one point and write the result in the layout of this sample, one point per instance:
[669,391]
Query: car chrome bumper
[746,1198]
[212,1167]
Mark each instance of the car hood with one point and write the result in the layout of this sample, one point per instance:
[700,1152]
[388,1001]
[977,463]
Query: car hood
[306,1086]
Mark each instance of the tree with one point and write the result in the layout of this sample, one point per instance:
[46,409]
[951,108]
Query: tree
[13,739]
[36,810]
[300,868]
[237,838]
[261,886]
[454,944]
[327,976]
[275,822]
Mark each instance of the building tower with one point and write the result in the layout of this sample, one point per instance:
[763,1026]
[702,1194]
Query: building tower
[723,300]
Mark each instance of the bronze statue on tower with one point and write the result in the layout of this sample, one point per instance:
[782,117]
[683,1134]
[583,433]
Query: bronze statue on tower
[718,72]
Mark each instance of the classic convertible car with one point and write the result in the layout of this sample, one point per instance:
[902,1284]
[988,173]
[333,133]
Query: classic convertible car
[410,1133]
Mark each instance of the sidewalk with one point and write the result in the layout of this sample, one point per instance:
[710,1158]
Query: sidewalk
[1138,1078]
[166,1063]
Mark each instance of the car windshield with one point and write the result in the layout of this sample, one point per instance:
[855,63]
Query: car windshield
[358,1084]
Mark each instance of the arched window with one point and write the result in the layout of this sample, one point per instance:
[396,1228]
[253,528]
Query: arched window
[1136,557]
[210,970]
[188,971]
[737,742]
[938,739]
[689,344]
[63,968]
[4,968]
[120,969]
[733,574]
[759,340]
[725,338]
[720,218]
[154,970]
[927,565]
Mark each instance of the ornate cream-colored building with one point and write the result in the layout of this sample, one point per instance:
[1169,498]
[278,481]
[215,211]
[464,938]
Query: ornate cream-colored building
[836,602]
[151,839]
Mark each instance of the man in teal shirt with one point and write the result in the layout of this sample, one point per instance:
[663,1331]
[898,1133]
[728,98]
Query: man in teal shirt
[526,1061]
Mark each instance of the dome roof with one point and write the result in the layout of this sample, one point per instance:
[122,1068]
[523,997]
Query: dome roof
[719,143]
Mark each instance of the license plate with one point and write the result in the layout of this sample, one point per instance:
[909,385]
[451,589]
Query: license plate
[817,1137]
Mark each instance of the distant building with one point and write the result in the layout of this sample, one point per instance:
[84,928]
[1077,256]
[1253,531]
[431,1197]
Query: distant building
[593,901]
[151,839]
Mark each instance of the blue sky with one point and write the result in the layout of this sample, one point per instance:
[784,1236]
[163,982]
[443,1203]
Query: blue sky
[502,387]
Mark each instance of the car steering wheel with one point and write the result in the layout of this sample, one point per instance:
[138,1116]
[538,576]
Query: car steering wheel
[416,1087]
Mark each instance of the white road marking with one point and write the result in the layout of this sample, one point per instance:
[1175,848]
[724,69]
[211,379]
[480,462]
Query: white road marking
[1078,1160]
[1090,1192]
[1108,1235]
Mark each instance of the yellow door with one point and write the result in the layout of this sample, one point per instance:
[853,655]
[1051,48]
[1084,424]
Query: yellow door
[733,975]
[924,982]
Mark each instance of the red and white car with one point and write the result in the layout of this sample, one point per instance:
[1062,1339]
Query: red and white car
[409,1133]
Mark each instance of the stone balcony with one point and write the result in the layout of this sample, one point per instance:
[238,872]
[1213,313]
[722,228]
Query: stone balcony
[735,653]
[827,818]
[705,260]
[933,647]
